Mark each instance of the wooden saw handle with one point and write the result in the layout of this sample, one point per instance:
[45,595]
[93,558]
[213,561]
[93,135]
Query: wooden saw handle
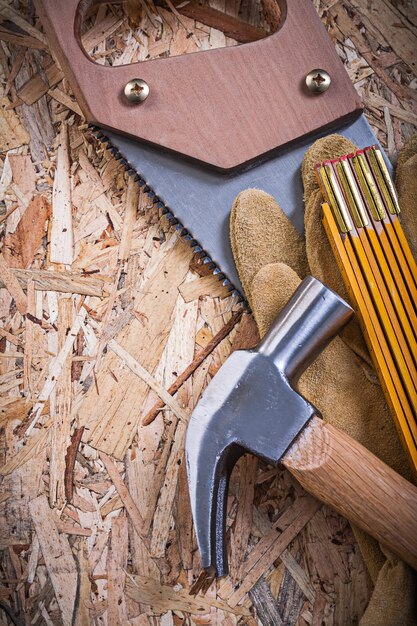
[342,473]
[223,107]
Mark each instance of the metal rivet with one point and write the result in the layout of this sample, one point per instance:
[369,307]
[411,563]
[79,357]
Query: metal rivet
[318,81]
[136,90]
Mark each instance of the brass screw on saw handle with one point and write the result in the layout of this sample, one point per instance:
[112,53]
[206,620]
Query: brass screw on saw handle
[136,90]
[318,81]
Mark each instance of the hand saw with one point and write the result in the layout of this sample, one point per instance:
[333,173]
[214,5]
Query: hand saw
[215,122]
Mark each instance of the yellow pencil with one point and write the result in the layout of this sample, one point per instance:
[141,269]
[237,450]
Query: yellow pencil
[396,249]
[374,335]
[405,257]
[394,288]
[378,290]
[361,221]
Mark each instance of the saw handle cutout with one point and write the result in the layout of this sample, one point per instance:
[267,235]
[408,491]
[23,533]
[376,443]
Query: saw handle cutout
[339,471]
[236,29]
[224,107]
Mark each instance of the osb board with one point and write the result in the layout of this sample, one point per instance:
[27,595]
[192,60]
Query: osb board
[102,310]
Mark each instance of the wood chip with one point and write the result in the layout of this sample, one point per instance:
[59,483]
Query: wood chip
[12,133]
[37,86]
[124,494]
[61,428]
[11,283]
[30,339]
[66,100]
[265,604]
[58,557]
[100,32]
[65,282]
[54,372]
[117,562]
[163,598]
[20,247]
[205,286]
[132,201]
[162,515]
[23,172]
[62,236]
[299,575]
[33,447]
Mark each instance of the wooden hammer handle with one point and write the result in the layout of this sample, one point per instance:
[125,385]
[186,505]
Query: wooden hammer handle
[342,473]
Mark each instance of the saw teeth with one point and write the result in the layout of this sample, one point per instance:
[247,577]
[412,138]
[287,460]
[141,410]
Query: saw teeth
[199,252]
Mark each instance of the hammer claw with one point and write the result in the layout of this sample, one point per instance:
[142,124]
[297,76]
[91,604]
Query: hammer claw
[208,494]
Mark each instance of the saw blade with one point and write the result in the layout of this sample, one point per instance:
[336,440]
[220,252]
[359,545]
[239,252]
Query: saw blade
[198,200]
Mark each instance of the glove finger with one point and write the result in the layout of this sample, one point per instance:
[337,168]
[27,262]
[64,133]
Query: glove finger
[408,150]
[406,181]
[260,234]
[271,289]
[330,147]
[393,599]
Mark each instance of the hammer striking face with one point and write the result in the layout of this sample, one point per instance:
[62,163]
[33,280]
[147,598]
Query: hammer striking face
[251,406]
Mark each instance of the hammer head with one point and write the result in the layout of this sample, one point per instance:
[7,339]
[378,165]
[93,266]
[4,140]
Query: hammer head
[251,406]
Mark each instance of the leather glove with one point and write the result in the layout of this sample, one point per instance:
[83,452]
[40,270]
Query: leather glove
[272,258]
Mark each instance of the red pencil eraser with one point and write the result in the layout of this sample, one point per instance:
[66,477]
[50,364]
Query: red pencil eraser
[351,155]
[359,151]
[343,158]
[328,162]
[367,148]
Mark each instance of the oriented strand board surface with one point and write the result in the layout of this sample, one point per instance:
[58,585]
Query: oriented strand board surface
[103,309]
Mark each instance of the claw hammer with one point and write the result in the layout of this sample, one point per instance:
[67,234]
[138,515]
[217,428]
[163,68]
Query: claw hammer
[251,405]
